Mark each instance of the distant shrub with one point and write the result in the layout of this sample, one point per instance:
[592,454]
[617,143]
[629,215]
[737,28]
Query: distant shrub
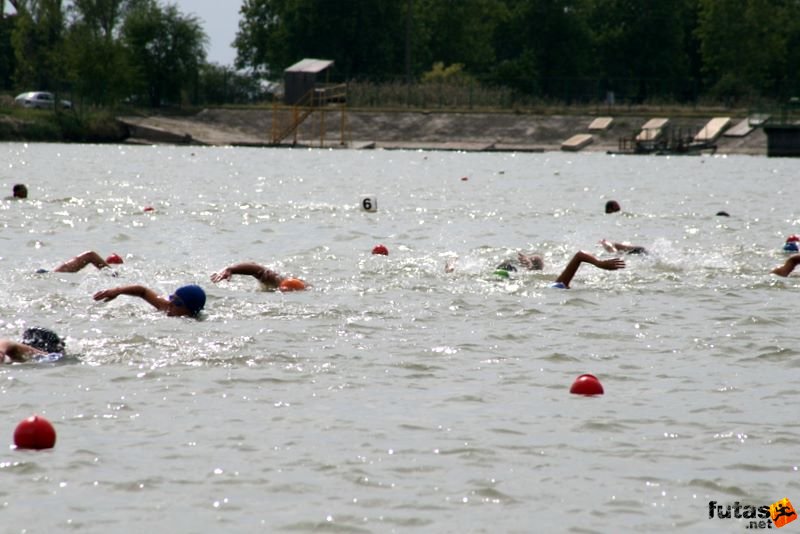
[452,75]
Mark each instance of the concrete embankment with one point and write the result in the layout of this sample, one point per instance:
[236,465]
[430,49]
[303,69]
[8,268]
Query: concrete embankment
[425,130]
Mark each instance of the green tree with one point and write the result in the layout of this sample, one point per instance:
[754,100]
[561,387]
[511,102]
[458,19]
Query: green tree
[745,47]
[791,80]
[38,40]
[545,47]
[643,46]
[7,59]
[165,49]
[457,32]
[362,37]
[223,85]
[98,67]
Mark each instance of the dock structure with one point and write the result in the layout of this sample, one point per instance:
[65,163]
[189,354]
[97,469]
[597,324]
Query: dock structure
[783,130]
[577,142]
[658,136]
[712,130]
[652,130]
[740,129]
[601,124]
[747,125]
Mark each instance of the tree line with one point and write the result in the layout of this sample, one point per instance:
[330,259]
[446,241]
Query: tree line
[639,51]
[107,52]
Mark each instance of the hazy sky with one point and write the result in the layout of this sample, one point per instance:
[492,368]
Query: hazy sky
[220,20]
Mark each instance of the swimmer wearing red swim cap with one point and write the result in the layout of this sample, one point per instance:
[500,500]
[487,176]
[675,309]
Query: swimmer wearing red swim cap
[83,259]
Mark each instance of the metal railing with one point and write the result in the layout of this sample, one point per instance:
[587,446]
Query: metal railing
[286,120]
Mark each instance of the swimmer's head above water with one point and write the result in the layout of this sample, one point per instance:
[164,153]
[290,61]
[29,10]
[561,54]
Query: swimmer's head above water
[43,339]
[506,266]
[612,206]
[190,297]
[532,262]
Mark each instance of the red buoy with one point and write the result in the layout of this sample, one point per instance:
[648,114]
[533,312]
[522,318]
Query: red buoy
[35,432]
[380,249]
[586,385]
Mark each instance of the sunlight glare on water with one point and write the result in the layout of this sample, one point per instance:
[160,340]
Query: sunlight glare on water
[391,395]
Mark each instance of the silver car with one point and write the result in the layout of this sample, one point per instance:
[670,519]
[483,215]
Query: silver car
[39,100]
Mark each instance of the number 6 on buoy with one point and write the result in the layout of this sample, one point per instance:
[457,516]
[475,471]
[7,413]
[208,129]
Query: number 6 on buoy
[369,203]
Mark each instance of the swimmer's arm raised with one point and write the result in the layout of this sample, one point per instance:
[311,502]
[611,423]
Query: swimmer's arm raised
[608,245]
[134,291]
[569,271]
[80,261]
[259,272]
[788,266]
[622,247]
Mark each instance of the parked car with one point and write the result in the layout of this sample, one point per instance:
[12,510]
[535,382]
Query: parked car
[39,100]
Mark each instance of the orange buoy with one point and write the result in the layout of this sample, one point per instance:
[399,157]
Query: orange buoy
[35,432]
[292,284]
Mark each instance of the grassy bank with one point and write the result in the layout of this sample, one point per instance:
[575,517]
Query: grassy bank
[71,126]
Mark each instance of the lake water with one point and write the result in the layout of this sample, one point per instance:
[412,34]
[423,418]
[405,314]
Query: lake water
[392,396]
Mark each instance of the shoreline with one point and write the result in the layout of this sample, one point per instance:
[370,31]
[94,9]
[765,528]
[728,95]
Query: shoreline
[420,130]
[359,129]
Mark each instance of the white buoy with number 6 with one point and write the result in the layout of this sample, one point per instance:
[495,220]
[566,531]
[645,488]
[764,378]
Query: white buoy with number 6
[369,203]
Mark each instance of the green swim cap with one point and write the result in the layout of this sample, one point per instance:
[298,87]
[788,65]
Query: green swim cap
[502,273]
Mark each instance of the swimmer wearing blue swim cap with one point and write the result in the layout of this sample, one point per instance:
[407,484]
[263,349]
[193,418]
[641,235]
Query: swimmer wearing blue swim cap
[187,301]
[191,297]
